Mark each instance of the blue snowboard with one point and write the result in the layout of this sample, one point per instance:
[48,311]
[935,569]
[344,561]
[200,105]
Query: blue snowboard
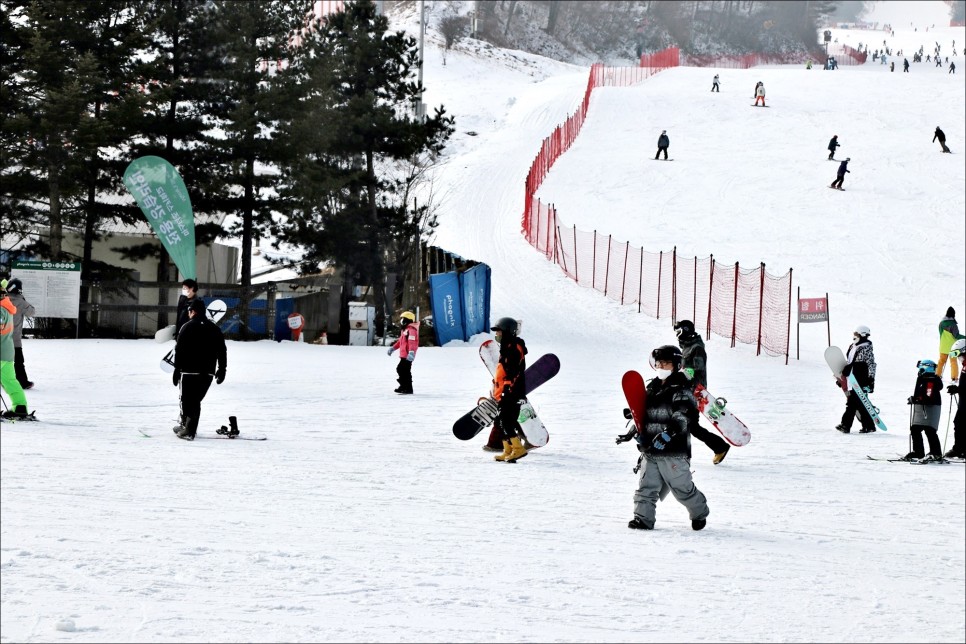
[864,398]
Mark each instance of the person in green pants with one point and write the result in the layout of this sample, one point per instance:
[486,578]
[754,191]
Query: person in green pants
[8,375]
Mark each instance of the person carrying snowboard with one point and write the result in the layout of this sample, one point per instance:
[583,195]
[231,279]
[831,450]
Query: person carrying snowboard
[663,143]
[8,374]
[834,143]
[958,352]
[716,84]
[201,354]
[860,362]
[948,334]
[189,293]
[670,414]
[760,94]
[695,363]
[942,139]
[926,402]
[408,344]
[24,309]
[509,387]
[840,175]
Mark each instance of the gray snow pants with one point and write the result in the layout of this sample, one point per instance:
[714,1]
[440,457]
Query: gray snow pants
[660,475]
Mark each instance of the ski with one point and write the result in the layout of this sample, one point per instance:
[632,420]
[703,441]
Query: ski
[19,419]
[919,461]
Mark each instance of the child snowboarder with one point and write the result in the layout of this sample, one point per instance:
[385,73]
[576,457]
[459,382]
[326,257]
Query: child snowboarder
[840,175]
[860,363]
[695,364]
[509,388]
[958,352]
[407,344]
[664,441]
[834,143]
[926,404]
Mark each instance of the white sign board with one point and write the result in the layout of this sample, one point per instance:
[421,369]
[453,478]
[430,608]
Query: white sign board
[52,287]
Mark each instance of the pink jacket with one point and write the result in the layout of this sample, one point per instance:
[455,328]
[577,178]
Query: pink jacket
[408,341]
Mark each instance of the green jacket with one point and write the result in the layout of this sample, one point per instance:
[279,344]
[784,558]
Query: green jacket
[948,334]
[6,330]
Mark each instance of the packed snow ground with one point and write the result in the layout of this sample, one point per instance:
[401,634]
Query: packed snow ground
[363,519]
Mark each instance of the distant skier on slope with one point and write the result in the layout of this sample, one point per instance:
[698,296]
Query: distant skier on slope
[663,143]
[716,84]
[695,363]
[760,94]
[861,364]
[840,175]
[926,402]
[942,138]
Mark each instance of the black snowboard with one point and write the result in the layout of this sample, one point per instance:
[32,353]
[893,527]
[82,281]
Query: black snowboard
[483,415]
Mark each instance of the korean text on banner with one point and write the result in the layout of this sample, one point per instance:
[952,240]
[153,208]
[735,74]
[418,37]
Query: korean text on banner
[163,198]
[812,309]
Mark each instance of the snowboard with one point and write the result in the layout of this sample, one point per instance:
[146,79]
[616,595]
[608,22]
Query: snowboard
[165,334]
[872,410]
[533,428]
[753,105]
[839,189]
[215,309]
[716,411]
[836,361]
[662,159]
[483,415]
[635,394]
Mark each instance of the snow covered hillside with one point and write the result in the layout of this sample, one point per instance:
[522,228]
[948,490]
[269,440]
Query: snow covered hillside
[361,518]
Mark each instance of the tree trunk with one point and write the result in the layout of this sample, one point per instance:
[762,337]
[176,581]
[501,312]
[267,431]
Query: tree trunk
[56,222]
[552,17]
[509,16]
[378,269]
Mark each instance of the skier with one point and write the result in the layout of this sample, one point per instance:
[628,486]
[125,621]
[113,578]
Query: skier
[834,143]
[716,84]
[189,293]
[948,334]
[926,404]
[663,143]
[8,375]
[671,414]
[760,94]
[407,344]
[509,385]
[200,354]
[905,65]
[942,138]
[952,68]
[695,362]
[958,352]
[861,364]
[840,175]
[24,309]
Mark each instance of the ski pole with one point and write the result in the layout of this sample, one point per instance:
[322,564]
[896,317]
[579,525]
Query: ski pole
[910,427]
[953,398]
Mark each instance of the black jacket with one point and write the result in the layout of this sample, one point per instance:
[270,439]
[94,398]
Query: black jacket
[695,357]
[663,141]
[939,135]
[183,303]
[834,143]
[670,407]
[201,347]
[511,371]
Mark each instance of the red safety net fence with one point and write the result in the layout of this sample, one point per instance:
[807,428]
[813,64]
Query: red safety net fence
[746,305]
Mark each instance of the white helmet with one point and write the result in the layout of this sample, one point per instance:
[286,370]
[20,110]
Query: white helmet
[958,348]
[862,331]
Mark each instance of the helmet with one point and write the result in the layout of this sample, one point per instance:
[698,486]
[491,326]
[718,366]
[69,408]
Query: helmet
[666,353]
[508,326]
[407,315]
[862,331]
[14,285]
[958,348]
[684,328]
[926,366]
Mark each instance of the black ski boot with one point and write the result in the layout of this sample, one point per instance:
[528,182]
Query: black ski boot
[637,524]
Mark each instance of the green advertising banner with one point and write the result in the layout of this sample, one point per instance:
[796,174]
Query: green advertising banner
[163,198]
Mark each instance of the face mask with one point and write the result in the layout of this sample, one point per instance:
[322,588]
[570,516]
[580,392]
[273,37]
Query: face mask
[663,373]
[184,291]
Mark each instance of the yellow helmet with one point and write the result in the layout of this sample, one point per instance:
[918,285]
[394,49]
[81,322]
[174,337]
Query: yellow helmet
[407,315]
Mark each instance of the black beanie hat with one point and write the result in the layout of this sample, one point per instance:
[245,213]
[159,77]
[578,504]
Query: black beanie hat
[950,312]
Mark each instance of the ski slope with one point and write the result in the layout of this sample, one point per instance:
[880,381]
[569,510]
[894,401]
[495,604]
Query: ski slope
[362,519]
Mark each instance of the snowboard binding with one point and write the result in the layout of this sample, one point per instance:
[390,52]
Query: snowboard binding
[233,431]
[717,408]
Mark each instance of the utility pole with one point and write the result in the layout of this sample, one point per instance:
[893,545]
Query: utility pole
[420,108]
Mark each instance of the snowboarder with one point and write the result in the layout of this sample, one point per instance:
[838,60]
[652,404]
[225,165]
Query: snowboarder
[200,354]
[24,309]
[716,84]
[408,344]
[670,415]
[948,334]
[958,352]
[834,143]
[861,364]
[942,138]
[840,175]
[509,385]
[760,94]
[695,363]
[952,68]
[905,65]
[189,292]
[663,143]
[926,403]
[8,375]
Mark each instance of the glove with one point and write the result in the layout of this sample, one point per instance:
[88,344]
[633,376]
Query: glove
[867,390]
[627,413]
[220,376]
[952,389]
[838,384]
[176,377]
[623,438]
[689,372]
[661,441]
[411,356]
[909,400]
[389,352]
[870,388]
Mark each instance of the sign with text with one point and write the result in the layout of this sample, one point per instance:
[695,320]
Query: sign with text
[52,287]
[812,309]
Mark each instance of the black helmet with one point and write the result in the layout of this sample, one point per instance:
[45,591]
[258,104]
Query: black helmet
[666,353]
[684,329]
[508,326]
[14,285]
